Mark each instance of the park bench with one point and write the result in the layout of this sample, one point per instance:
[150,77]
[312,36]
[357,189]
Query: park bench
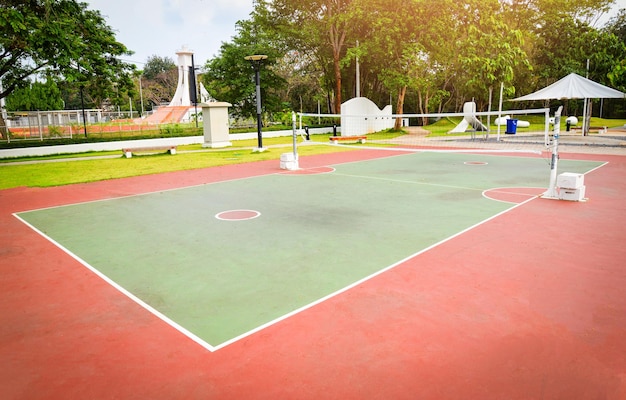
[358,139]
[599,129]
[128,152]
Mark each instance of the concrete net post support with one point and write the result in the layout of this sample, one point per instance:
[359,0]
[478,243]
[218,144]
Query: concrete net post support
[216,124]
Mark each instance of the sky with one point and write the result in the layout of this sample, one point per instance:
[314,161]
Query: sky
[162,27]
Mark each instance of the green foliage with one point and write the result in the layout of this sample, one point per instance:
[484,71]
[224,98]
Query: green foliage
[39,96]
[159,80]
[55,131]
[617,25]
[156,65]
[91,170]
[615,33]
[443,52]
[64,39]
[170,130]
[229,77]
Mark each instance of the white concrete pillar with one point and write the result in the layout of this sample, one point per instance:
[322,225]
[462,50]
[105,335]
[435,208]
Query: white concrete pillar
[216,124]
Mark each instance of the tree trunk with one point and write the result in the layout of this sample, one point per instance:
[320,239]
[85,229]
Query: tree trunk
[4,131]
[337,68]
[400,108]
[489,109]
[422,102]
[588,117]
[337,39]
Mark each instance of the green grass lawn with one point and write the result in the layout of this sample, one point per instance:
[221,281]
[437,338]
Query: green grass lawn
[537,124]
[85,167]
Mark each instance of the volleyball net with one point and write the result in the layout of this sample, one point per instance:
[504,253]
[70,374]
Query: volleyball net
[519,130]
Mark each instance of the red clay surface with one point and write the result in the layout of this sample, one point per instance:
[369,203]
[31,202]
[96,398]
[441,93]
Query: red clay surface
[530,305]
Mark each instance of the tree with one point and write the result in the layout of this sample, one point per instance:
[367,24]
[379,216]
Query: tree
[160,79]
[229,77]
[391,45]
[318,26]
[39,96]
[65,40]
[491,51]
[617,25]
[617,28]
[303,81]
[156,65]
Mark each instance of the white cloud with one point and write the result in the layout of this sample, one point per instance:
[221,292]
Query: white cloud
[161,27]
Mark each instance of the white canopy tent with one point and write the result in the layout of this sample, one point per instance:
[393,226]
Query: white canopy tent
[574,86]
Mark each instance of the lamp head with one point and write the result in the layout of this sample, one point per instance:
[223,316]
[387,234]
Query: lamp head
[256,57]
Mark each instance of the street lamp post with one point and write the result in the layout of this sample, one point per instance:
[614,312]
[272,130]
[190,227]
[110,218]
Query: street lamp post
[82,100]
[256,61]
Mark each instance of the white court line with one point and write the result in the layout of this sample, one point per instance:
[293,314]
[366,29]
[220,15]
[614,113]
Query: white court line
[212,348]
[499,190]
[416,150]
[121,289]
[405,181]
[363,280]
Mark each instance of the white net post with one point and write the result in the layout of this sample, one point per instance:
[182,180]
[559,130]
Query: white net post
[551,193]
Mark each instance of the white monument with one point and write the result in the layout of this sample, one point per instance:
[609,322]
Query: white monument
[360,116]
[181,97]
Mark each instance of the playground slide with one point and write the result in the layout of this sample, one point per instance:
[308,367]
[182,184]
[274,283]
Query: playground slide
[469,119]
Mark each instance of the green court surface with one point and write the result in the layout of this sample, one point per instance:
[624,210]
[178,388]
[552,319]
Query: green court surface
[316,235]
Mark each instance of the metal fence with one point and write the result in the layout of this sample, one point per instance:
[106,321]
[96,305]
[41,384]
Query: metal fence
[41,125]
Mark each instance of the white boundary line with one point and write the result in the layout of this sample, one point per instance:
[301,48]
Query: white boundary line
[128,196]
[212,348]
[365,279]
[499,190]
[121,289]
[415,150]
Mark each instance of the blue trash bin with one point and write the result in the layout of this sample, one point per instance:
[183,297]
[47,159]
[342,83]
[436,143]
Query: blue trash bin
[511,126]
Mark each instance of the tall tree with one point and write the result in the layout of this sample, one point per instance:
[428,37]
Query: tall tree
[491,50]
[156,65]
[160,78]
[617,28]
[229,77]
[38,96]
[62,38]
[317,26]
[392,45]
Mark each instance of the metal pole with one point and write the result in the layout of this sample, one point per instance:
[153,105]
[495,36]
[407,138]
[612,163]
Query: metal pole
[82,105]
[319,112]
[551,192]
[585,124]
[546,128]
[500,109]
[358,74]
[256,61]
[195,89]
[258,105]
[141,96]
[295,145]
